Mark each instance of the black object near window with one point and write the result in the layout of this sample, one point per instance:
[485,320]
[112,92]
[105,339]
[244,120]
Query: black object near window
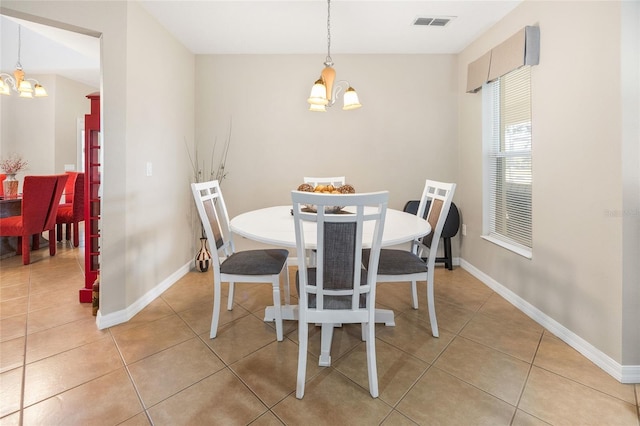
[450,229]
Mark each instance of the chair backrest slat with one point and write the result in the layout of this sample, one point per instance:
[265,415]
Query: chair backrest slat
[334,180]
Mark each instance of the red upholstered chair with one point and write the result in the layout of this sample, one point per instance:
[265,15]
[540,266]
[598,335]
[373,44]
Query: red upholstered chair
[2,178]
[71,212]
[50,223]
[38,198]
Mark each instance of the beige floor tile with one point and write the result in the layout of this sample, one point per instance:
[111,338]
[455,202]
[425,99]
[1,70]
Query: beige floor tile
[271,371]
[147,339]
[558,400]
[397,370]
[398,419]
[450,317]
[47,318]
[53,297]
[503,336]
[189,293]
[498,307]
[11,354]
[9,292]
[13,327]
[556,356]
[11,420]
[333,397]
[255,297]
[10,391]
[501,375]
[440,398]
[59,373]
[14,306]
[199,317]
[219,399]
[267,419]
[107,400]
[414,336]
[62,338]
[181,366]
[525,419]
[239,338]
[140,419]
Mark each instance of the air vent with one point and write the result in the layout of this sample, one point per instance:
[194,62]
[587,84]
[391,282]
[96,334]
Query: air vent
[439,21]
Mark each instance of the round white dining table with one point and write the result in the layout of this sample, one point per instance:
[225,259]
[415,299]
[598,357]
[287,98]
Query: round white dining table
[274,225]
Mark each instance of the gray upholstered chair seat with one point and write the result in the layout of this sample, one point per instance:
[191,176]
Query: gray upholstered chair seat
[332,302]
[255,262]
[397,262]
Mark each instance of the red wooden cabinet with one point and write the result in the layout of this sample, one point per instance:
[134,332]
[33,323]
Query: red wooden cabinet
[92,158]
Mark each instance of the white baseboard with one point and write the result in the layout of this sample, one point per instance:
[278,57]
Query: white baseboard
[622,373]
[118,317]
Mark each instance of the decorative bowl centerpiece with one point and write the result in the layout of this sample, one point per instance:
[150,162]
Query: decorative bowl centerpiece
[326,189]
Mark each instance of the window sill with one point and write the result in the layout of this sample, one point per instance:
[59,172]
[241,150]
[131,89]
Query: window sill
[516,248]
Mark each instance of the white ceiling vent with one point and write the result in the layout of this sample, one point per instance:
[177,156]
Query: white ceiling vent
[434,21]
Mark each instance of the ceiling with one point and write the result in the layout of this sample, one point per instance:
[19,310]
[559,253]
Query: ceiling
[267,27]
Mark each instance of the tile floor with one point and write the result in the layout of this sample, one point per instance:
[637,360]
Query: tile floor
[491,364]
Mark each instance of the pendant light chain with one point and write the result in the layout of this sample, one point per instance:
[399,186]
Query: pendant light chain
[18,64]
[328,60]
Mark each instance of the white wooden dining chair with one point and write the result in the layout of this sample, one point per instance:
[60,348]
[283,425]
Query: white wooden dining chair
[338,289]
[315,181]
[248,266]
[418,263]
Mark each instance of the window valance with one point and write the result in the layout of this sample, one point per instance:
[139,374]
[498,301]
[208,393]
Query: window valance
[522,48]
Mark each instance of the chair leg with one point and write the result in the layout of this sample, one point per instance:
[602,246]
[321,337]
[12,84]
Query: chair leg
[325,345]
[372,368]
[303,339]
[76,234]
[287,290]
[35,241]
[232,291]
[216,310]
[414,294]
[277,308]
[26,250]
[431,305]
[52,242]
[447,254]
[58,232]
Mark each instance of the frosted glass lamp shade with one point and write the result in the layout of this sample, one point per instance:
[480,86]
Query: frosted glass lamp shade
[318,94]
[351,99]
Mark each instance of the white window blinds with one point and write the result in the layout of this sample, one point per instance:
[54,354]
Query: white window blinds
[507,168]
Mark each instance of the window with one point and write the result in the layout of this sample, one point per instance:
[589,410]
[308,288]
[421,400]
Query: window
[507,161]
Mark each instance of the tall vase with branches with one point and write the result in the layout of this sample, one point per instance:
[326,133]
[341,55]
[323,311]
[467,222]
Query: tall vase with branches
[202,173]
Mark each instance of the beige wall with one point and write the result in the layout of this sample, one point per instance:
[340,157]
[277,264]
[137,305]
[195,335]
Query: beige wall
[71,104]
[575,275]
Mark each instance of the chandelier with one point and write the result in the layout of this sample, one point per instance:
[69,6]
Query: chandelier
[18,82]
[324,91]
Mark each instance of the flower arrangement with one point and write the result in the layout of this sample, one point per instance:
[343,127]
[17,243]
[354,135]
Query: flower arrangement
[219,173]
[13,164]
